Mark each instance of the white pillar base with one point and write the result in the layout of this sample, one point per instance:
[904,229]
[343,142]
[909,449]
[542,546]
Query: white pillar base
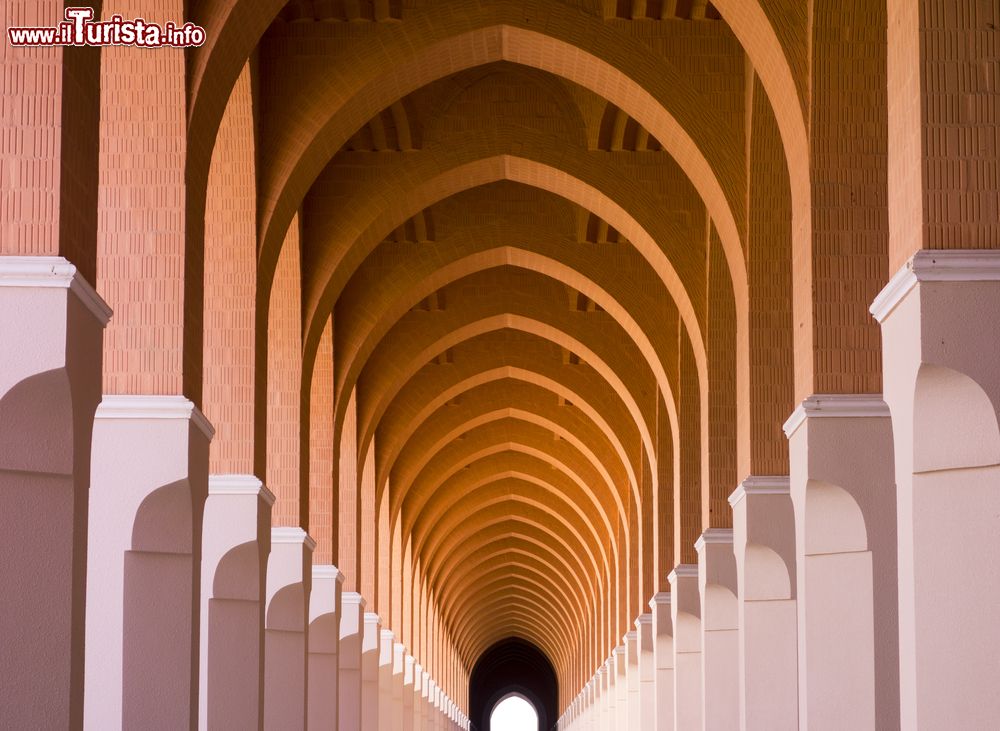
[149,481]
[236,541]
[325,603]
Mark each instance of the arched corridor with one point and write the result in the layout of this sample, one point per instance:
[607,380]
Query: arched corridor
[375,361]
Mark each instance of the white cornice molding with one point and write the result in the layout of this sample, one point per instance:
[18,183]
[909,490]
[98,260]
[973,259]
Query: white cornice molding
[55,272]
[119,406]
[683,571]
[292,535]
[631,636]
[644,618]
[372,618]
[660,597]
[714,535]
[239,485]
[327,571]
[936,265]
[387,634]
[760,485]
[836,405]
[353,597]
[619,651]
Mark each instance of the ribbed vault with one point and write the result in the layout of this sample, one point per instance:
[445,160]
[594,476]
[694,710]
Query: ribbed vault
[528,281]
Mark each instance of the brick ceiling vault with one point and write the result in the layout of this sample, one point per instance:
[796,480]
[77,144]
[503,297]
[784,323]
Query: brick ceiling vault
[524,300]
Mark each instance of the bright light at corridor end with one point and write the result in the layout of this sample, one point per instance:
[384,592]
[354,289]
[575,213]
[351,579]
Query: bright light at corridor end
[514,714]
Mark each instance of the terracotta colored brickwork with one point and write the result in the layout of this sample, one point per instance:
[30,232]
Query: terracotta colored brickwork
[850,225]
[943,115]
[48,193]
[284,368]
[230,283]
[322,498]
[769,244]
[141,245]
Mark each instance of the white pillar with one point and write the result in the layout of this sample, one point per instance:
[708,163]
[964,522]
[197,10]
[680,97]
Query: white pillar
[941,379]
[352,629]
[51,327]
[325,602]
[149,481]
[843,492]
[398,689]
[409,677]
[631,643]
[720,646]
[236,541]
[663,659]
[386,659]
[764,544]
[286,627]
[646,672]
[685,608]
[370,647]
[620,668]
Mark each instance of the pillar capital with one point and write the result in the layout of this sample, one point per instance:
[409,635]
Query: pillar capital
[938,265]
[835,405]
[53,272]
[763,485]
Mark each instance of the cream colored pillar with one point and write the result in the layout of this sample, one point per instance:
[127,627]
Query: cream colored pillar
[685,610]
[386,659]
[720,641]
[396,693]
[51,328]
[286,629]
[631,640]
[764,545]
[325,602]
[149,482]
[610,694]
[425,701]
[843,492]
[620,667]
[663,660]
[352,629]
[941,373]
[646,673]
[370,646]
[236,541]
[408,690]
[601,706]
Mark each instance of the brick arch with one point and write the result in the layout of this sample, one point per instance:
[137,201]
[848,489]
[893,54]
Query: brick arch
[434,508]
[488,439]
[564,591]
[430,269]
[480,444]
[411,195]
[530,532]
[230,281]
[492,323]
[469,625]
[673,111]
[603,551]
[501,375]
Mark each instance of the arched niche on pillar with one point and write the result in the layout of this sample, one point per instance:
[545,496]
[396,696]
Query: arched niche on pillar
[941,378]
[236,541]
[149,482]
[685,608]
[325,602]
[51,327]
[764,548]
[289,581]
[717,586]
[844,498]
